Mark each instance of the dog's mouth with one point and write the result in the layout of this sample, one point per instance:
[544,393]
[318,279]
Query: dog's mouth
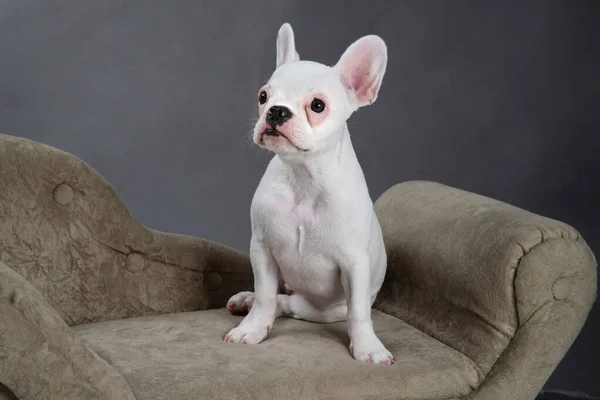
[275,133]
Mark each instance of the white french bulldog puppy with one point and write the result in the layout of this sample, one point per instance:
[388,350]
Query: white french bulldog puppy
[315,234]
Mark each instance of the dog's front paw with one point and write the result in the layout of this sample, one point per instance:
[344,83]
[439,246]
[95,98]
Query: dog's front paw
[371,351]
[247,334]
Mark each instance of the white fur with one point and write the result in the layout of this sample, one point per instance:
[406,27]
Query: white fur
[313,223]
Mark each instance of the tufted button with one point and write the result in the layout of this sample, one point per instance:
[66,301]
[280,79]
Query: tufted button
[63,194]
[135,262]
[560,289]
[213,280]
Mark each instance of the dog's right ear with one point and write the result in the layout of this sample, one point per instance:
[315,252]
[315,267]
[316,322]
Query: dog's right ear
[286,48]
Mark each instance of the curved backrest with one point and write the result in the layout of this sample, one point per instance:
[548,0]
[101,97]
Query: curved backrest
[63,228]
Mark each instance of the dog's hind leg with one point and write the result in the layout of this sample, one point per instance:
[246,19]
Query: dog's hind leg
[294,306]
[297,306]
[241,303]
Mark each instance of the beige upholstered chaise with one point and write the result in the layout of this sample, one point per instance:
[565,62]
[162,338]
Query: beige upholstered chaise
[481,301]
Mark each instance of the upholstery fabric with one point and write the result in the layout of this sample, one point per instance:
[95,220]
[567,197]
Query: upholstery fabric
[41,357]
[6,393]
[182,356]
[63,228]
[500,284]
[481,299]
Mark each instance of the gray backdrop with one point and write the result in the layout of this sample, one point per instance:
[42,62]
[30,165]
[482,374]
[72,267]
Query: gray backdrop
[499,98]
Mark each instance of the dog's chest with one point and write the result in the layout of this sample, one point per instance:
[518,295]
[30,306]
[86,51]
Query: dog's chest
[300,236]
[299,229]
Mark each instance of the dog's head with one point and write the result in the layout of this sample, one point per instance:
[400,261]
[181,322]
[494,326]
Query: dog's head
[304,106]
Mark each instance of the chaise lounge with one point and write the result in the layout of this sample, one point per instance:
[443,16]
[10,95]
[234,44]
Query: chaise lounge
[481,299]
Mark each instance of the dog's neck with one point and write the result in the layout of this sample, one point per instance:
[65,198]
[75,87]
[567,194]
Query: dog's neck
[323,170]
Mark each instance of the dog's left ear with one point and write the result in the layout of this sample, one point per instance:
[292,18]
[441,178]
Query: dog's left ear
[361,69]
[286,48]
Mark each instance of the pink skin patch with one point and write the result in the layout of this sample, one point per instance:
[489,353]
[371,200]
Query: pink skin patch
[314,118]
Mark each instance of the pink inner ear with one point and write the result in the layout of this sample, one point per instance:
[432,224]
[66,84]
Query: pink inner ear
[362,68]
[359,77]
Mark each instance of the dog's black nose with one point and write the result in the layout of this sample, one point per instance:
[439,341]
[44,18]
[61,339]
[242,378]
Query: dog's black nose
[277,115]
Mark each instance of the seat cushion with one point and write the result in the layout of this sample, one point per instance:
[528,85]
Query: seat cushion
[182,356]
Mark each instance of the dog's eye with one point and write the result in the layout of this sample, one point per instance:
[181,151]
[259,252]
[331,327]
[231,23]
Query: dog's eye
[262,97]
[317,106]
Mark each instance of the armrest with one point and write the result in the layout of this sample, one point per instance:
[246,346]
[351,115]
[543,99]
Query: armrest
[507,288]
[40,357]
[207,273]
